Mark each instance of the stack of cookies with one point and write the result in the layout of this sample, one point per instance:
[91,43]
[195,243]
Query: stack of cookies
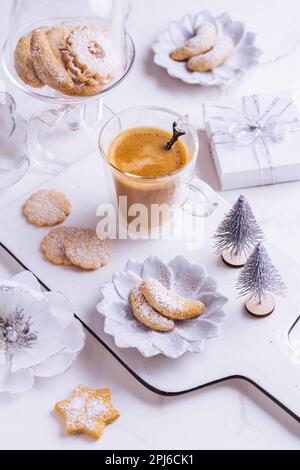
[68,246]
[158,308]
[74,60]
[205,51]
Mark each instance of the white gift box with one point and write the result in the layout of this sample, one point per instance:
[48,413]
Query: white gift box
[254,140]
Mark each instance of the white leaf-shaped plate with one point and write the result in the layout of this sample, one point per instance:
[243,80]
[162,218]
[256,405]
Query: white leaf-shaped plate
[184,278]
[246,54]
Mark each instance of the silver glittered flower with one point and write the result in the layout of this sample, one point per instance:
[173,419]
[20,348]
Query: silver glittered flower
[16,332]
[39,336]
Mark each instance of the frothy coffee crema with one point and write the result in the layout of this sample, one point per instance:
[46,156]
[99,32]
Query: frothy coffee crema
[141,151]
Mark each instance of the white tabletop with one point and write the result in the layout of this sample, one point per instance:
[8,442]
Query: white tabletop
[228,416]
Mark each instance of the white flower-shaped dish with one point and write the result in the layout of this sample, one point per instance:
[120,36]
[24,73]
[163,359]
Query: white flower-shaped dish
[246,55]
[186,279]
[49,319]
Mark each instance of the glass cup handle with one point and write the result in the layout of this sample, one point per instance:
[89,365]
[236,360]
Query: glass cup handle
[201,200]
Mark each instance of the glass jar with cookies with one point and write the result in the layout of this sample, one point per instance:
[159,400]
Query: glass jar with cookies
[69,54]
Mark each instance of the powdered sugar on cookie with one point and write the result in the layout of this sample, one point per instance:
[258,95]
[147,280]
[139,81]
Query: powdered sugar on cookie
[167,303]
[203,41]
[222,50]
[87,411]
[47,208]
[145,314]
[93,54]
[86,250]
[84,413]
[53,245]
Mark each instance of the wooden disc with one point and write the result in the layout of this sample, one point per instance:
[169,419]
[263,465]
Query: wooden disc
[234,261]
[262,310]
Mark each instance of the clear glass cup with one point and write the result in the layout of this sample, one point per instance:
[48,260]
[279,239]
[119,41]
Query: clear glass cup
[56,134]
[181,188]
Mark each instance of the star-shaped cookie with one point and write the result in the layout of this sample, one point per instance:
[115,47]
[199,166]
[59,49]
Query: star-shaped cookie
[87,411]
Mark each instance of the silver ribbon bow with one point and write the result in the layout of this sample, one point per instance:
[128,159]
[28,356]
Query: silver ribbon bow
[254,127]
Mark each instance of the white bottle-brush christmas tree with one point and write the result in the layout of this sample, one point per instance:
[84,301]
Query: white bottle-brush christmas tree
[238,234]
[259,280]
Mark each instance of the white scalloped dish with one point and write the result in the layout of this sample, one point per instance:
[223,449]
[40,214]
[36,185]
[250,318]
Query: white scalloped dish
[245,56]
[183,278]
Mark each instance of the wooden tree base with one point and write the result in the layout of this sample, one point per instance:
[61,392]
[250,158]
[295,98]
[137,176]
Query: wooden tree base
[263,310]
[234,261]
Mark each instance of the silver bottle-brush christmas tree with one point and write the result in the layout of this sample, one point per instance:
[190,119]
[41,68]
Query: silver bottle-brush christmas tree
[238,234]
[259,280]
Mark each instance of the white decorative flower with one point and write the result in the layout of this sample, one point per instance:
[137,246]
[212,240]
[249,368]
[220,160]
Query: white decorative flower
[185,279]
[246,54]
[39,335]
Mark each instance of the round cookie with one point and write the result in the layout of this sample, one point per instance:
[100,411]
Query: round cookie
[24,64]
[53,245]
[47,62]
[85,250]
[47,208]
[147,315]
[168,304]
[221,52]
[91,55]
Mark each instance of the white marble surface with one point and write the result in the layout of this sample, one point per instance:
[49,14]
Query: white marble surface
[228,416]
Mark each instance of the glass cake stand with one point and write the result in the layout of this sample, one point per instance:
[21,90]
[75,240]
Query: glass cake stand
[66,129]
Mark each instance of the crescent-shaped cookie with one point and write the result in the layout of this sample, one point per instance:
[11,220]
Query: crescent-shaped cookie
[205,39]
[24,64]
[47,64]
[222,50]
[168,304]
[146,315]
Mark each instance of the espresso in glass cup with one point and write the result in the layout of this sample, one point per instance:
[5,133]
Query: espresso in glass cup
[146,174]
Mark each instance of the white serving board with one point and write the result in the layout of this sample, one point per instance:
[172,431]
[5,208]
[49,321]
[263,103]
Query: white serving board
[256,350]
